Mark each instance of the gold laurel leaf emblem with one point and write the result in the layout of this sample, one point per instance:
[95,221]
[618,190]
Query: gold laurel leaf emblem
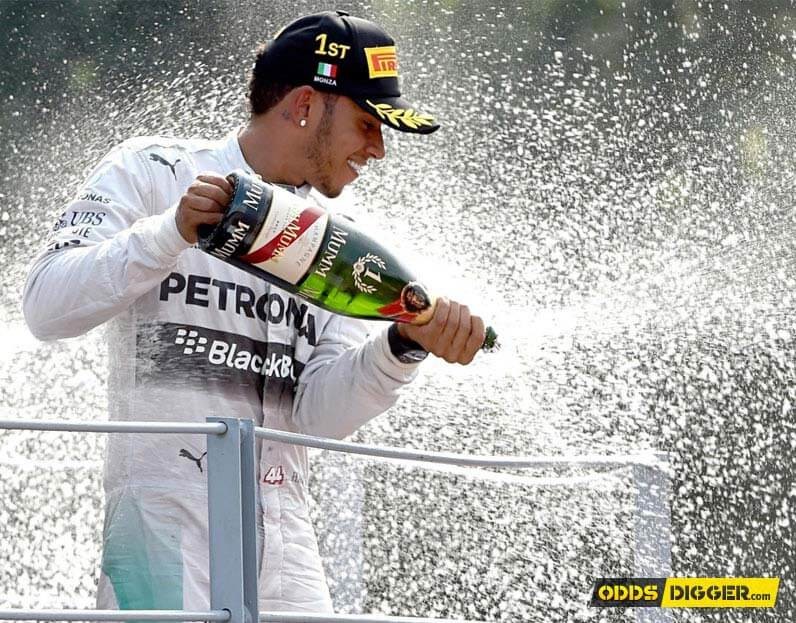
[398,116]
[360,266]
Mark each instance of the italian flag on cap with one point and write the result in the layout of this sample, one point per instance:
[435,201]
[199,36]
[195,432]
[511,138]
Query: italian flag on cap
[327,69]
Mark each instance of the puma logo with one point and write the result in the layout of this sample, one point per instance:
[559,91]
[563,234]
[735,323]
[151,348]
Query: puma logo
[161,160]
[185,454]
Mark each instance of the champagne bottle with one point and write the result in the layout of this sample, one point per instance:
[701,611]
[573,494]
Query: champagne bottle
[295,244]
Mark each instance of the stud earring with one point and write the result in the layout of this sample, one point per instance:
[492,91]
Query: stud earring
[303,123]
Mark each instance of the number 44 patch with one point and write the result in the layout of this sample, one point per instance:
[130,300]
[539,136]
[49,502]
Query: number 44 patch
[274,476]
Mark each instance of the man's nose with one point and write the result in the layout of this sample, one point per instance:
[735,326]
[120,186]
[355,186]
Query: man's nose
[376,144]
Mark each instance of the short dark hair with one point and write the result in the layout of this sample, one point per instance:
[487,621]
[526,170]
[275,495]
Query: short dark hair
[264,93]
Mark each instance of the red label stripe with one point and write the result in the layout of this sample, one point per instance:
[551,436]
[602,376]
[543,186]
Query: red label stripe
[396,310]
[300,224]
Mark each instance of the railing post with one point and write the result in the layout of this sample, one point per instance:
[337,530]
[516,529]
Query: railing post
[249,516]
[652,530]
[231,516]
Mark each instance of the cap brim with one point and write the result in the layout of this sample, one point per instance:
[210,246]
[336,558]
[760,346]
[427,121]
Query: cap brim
[398,114]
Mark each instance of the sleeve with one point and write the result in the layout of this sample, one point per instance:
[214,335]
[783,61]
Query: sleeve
[350,379]
[105,251]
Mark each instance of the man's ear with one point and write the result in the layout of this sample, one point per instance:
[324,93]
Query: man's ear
[299,104]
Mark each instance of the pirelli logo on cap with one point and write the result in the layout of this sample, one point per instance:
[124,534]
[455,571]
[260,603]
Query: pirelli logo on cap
[382,62]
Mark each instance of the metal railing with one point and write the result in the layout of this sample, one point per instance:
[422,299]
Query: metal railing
[232,515]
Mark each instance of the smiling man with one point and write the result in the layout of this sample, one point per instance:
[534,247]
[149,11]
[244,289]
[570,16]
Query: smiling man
[122,254]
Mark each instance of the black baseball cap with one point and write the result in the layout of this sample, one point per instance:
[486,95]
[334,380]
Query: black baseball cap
[335,52]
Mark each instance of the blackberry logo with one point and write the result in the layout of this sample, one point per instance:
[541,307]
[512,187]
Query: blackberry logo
[194,343]
[237,352]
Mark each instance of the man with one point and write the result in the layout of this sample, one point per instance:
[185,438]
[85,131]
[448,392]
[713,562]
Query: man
[191,335]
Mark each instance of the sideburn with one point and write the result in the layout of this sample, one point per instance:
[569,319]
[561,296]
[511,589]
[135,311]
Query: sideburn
[319,149]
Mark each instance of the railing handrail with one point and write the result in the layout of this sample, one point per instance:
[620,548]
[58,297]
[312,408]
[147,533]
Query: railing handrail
[71,614]
[77,426]
[305,617]
[650,459]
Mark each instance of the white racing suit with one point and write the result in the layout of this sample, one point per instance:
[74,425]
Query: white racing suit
[191,336]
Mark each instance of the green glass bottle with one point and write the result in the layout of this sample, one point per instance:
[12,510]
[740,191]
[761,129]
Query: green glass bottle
[324,258]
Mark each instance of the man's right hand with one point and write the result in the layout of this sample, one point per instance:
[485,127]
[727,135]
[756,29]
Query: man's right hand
[453,333]
[203,203]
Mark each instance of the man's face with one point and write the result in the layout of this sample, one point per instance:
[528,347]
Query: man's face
[345,139]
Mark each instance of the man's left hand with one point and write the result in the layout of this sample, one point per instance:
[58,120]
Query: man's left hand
[453,333]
